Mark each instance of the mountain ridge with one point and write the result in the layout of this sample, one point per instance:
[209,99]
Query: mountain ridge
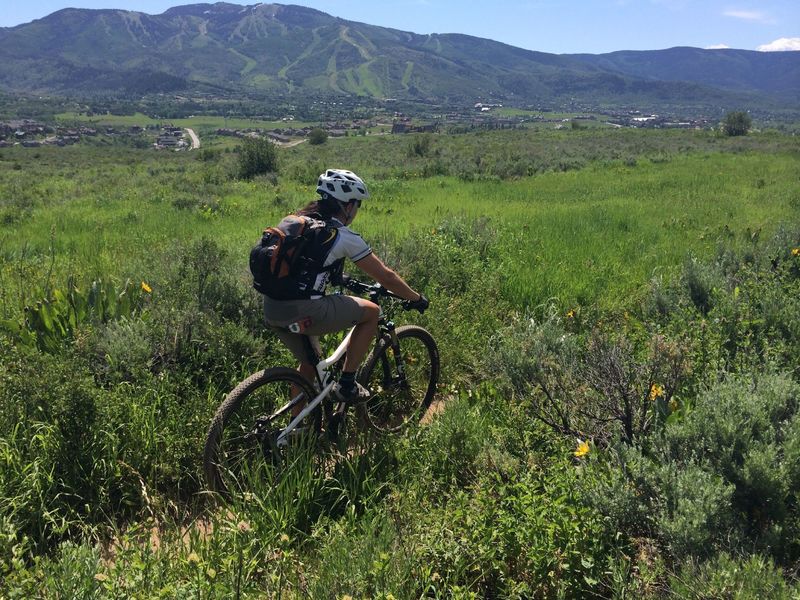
[276,48]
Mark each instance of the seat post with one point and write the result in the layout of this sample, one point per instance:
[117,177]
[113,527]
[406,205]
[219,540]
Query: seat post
[312,356]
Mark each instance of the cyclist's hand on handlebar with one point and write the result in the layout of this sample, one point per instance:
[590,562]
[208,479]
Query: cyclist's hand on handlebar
[421,304]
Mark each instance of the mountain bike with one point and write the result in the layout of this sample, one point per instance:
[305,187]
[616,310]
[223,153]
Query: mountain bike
[253,430]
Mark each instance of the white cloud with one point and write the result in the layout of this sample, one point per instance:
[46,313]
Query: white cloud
[781,45]
[748,15]
[718,47]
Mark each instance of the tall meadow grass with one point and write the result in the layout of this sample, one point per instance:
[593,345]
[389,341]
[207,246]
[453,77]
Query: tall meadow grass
[606,255]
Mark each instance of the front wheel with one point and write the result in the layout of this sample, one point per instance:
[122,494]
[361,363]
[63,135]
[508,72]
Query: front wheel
[402,379]
[241,448]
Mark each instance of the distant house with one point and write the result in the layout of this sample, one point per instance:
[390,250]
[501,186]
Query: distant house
[278,137]
[170,137]
[399,127]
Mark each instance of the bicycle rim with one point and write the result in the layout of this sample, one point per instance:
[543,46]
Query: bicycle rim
[242,452]
[401,398]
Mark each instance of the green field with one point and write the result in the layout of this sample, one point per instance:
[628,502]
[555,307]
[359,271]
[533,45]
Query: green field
[201,123]
[592,234]
[636,290]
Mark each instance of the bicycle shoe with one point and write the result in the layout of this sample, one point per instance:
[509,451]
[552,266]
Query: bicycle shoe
[351,395]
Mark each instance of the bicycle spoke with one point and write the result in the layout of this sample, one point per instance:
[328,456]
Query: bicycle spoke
[398,399]
[241,447]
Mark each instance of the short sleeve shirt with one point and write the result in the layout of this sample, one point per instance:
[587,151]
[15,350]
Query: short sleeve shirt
[348,244]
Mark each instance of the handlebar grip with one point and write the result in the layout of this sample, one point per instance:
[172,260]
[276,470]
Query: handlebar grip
[420,305]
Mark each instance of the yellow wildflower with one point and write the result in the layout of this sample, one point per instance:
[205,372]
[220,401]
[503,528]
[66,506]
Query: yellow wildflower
[284,538]
[795,251]
[582,449]
[193,558]
[656,391]
[570,313]
[146,288]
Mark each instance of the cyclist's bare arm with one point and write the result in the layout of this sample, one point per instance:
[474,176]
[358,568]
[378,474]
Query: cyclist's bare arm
[374,267]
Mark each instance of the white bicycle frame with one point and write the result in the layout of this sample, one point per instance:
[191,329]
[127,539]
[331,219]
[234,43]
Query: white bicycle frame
[322,375]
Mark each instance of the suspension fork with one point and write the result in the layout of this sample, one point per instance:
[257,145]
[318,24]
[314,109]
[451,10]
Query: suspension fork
[394,342]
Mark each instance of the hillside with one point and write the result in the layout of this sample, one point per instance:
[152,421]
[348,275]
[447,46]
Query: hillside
[272,48]
[775,73]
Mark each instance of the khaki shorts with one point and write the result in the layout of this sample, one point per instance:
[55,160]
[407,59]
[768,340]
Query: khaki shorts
[292,320]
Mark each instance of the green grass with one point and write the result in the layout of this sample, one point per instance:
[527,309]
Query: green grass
[100,439]
[199,122]
[584,236]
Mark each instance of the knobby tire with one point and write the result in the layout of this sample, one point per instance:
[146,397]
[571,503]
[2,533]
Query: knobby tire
[397,401]
[240,443]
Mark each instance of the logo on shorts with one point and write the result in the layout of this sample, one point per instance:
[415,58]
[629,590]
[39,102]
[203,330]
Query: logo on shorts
[301,325]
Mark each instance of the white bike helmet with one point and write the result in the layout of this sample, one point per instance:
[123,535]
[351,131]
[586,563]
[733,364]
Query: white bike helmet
[342,185]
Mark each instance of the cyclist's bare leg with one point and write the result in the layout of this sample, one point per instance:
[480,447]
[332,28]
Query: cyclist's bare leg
[363,334]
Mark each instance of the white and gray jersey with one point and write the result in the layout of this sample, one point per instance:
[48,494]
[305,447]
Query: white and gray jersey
[348,244]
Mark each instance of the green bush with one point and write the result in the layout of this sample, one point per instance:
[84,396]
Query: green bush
[420,144]
[684,509]
[317,136]
[745,578]
[721,476]
[257,156]
[58,465]
[528,537]
[604,385]
[741,430]
[740,311]
[448,454]
[57,317]
[736,123]
[693,513]
[125,351]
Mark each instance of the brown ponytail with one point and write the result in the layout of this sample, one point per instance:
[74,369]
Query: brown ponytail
[324,208]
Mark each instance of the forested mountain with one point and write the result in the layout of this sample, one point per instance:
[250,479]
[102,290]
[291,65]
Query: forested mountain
[776,73]
[278,48]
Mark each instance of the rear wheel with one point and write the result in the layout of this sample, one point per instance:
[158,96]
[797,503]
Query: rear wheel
[241,449]
[402,382]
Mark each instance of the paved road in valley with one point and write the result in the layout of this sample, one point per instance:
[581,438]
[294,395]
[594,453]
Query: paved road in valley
[195,139]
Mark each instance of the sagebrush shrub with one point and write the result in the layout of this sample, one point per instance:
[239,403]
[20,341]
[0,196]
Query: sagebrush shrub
[742,430]
[600,387]
[125,350]
[727,576]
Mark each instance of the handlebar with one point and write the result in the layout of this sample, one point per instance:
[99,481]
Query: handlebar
[375,291]
[372,290]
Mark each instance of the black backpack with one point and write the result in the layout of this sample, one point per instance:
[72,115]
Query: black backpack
[287,260]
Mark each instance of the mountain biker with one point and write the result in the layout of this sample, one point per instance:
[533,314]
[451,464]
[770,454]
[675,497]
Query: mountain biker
[341,194]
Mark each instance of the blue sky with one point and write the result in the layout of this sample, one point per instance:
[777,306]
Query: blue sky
[593,26]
